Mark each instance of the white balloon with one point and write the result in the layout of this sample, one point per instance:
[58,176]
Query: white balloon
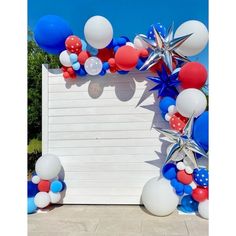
[159,197]
[191,101]
[196,42]
[139,43]
[48,166]
[65,58]
[130,44]
[54,197]
[98,32]
[203,209]
[35,179]
[93,66]
[42,199]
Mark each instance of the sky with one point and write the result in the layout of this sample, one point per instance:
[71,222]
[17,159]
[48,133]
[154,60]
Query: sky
[128,17]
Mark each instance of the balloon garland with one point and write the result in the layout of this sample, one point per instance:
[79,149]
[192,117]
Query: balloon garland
[179,84]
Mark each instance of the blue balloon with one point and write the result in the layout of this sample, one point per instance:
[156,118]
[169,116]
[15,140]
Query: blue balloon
[31,206]
[139,64]
[165,103]
[112,44]
[105,66]
[126,38]
[76,66]
[188,204]
[163,115]
[123,72]
[116,48]
[169,171]
[51,32]
[188,189]
[121,41]
[180,193]
[81,71]
[200,130]
[32,189]
[56,186]
[73,58]
[201,176]
[159,27]
[91,50]
[84,45]
[103,72]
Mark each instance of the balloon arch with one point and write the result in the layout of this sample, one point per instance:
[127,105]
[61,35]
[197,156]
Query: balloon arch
[181,86]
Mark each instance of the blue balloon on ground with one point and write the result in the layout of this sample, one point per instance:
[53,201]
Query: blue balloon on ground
[188,204]
[31,207]
[159,27]
[32,189]
[103,72]
[165,103]
[169,171]
[81,71]
[200,130]
[56,186]
[51,32]
[201,176]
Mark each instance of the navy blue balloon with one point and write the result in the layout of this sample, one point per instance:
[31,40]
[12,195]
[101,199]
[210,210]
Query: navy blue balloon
[169,171]
[140,64]
[116,48]
[163,115]
[102,73]
[188,204]
[51,32]
[180,193]
[200,130]
[165,103]
[126,38]
[188,189]
[123,72]
[121,41]
[201,176]
[32,189]
[81,71]
[105,66]
[31,207]
[159,27]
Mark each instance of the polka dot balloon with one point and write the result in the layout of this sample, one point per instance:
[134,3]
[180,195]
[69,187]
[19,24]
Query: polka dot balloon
[159,27]
[200,176]
[73,44]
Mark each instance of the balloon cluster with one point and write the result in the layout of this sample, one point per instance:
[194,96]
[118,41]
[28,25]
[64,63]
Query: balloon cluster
[45,187]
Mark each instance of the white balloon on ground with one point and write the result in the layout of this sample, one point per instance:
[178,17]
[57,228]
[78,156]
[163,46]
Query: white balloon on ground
[93,66]
[98,32]
[65,58]
[191,101]
[158,197]
[35,179]
[48,166]
[203,209]
[54,197]
[196,42]
[139,43]
[42,199]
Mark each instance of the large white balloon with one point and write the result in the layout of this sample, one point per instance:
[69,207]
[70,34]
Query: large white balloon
[93,66]
[159,197]
[54,197]
[139,43]
[48,166]
[42,199]
[191,101]
[98,32]
[196,42]
[65,58]
[203,209]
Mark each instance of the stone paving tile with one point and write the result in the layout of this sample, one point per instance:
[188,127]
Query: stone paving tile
[197,228]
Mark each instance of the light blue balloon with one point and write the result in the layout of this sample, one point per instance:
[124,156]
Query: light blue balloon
[32,208]
[91,50]
[73,58]
[56,186]
[84,45]
[76,66]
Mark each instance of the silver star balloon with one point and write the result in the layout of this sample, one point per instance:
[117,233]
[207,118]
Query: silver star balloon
[182,144]
[163,48]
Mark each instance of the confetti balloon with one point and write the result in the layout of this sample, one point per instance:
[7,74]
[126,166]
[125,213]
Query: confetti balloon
[98,32]
[93,66]
[159,27]
[42,199]
[178,122]
[201,177]
[73,44]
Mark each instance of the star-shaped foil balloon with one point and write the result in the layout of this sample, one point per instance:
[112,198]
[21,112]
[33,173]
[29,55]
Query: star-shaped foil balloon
[163,48]
[166,84]
[183,146]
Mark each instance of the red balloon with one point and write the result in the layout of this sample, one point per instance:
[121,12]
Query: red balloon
[112,62]
[158,66]
[44,186]
[193,75]
[178,122]
[126,58]
[143,53]
[105,54]
[66,75]
[73,44]
[200,194]
[184,178]
[83,56]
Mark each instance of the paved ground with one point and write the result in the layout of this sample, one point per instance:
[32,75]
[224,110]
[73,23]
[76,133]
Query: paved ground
[120,220]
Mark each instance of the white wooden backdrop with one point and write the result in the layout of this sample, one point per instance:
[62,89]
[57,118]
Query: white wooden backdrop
[103,138]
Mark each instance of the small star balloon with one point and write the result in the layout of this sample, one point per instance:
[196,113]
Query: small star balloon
[166,84]
[183,146]
[163,48]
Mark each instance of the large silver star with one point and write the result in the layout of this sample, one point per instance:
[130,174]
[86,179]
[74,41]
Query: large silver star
[163,48]
[182,144]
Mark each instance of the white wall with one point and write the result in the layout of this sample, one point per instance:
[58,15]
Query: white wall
[105,142]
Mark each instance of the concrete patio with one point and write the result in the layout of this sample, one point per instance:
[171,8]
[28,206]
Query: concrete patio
[112,220]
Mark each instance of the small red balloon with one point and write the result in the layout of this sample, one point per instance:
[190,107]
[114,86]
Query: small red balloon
[126,58]
[73,44]
[66,75]
[200,194]
[193,75]
[184,178]
[105,54]
[112,62]
[83,56]
[178,122]
[44,186]
[143,53]
[158,66]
